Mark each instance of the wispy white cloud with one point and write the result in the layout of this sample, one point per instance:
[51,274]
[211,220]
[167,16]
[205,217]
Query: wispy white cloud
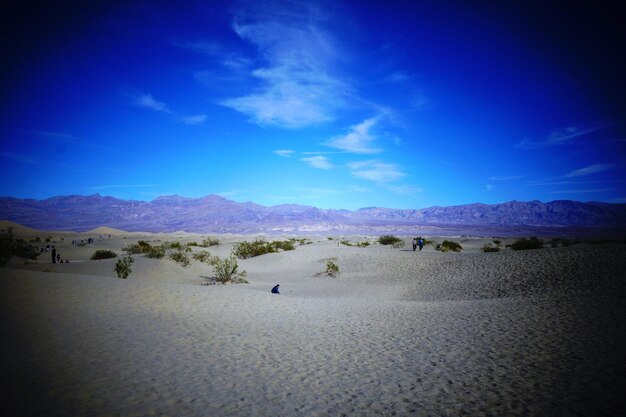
[320,162]
[505,177]
[404,189]
[560,137]
[285,153]
[149,102]
[588,170]
[581,191]
[296,87]
[489,187]
[195,120]
[19,158]
[376,171]
[358,139]
[113,186]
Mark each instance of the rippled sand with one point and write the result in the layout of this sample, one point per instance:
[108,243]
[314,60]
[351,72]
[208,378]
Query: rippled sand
[397,332]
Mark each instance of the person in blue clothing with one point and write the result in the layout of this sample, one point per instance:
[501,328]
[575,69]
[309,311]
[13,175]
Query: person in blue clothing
[275,289]
[420,243]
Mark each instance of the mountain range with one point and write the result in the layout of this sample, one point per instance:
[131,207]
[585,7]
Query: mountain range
[216,214]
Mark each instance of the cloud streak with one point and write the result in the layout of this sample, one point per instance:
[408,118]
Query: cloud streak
[378,172]
[559,137]
[358,139]
[320,162]
[149,102]
[588,170]
[296,88]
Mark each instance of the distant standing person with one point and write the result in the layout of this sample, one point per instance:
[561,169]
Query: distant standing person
[275,289]
[58,257]
[54,255]
[420,242]
[414,243]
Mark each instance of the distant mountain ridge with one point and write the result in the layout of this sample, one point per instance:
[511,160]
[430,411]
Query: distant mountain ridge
[217,214]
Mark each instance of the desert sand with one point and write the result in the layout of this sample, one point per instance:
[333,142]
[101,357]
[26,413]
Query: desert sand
[396,332]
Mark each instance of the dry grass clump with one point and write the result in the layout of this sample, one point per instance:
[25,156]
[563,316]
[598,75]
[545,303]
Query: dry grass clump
[449,246]
[245,250]
[103,254]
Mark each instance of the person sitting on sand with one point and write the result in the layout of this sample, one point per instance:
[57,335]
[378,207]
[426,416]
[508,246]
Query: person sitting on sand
[275,289]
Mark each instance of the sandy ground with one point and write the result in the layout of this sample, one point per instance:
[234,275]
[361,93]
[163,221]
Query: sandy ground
[397,332]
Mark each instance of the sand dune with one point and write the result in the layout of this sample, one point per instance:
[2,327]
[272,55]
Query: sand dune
[397,332]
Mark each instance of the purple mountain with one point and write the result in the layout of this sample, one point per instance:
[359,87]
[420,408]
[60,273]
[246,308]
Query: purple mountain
[217,214]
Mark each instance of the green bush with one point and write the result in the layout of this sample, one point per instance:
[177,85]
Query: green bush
[202,256]
[245,250]
[283,244]
[122,267]
[181,257]
[209,242]
[332,269]
[526,244]
[226,270]
[449,245]
[137,248]
[389,240]
[103,254]
[7,241]
[497,242]
[489,248]
[155,252]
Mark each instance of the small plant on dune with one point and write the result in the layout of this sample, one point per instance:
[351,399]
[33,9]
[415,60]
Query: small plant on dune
[449,245]
[173,245]
[122,267]
[193,243]
[526,244]
[497,242]
[346,242]
[227,270]
[156,252]
[25,250]
[202,256]
[181,257]
[103,254]
[137,248]
[332,269]
[283,244]
[245,250]
[389,240]
[489,248]
[209,242]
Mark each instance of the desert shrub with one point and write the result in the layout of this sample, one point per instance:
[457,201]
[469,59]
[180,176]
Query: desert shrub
[156,252]
[173,245]
[181,257]
[303,241]
[193,243]
[6,245]
[332,269]
[245,250]
[329,238]
[346,242]
[137,248]
[398,244]
[489,248]
[226,270]
[389,240]
[103,254]
[363,244]
[122,267]
[525,244]
[497,242]
[25,250]
[209,242]
[449,245]
[202,256]
[283,244]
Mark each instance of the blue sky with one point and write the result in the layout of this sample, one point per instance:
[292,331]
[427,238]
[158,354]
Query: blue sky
[327,103]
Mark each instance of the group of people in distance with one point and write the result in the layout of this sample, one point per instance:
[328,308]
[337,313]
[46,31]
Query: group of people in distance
[418,241]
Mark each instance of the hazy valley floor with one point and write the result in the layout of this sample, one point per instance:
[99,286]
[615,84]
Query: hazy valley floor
[396,333]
